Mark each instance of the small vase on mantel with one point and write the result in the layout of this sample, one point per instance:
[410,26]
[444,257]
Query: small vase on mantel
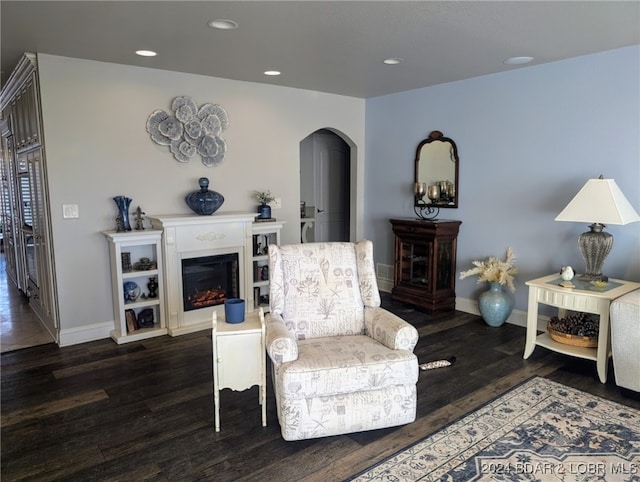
[264,211]
[495,305]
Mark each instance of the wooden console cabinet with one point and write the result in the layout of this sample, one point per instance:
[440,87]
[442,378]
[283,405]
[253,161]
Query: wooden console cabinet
[425,263]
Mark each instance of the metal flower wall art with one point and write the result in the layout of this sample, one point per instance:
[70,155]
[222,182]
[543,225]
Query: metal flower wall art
[189,131]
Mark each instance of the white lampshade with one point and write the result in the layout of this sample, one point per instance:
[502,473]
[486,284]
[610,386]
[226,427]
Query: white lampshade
[599,201]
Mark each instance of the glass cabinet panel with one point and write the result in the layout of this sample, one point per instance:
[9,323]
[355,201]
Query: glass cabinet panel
[415,263]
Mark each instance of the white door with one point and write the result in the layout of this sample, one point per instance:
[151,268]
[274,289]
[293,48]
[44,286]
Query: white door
[332,187]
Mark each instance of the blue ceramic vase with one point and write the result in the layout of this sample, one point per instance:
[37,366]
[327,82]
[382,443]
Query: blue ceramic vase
[204,202]
[123,204]
[495,305]
[264,211]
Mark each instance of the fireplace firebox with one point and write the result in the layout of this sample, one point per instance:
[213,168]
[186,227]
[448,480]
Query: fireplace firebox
[209,280]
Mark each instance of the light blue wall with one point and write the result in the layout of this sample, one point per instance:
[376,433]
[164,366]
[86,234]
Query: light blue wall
[528,140]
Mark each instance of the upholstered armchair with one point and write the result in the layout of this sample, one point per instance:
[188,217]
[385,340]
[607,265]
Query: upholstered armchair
[341,363]
[625,340]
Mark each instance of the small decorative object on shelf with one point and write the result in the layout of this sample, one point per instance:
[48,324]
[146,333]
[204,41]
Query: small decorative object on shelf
[122,220]
[204,201]
[495,305]
[139,218]
[131,291]
[145,264]
[146,318]
[264,198]
[126,261]
[152,285]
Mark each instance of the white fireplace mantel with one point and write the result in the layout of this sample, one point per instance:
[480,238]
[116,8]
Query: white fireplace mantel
[189,236]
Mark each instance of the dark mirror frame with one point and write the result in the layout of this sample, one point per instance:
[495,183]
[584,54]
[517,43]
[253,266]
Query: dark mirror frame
[422,198]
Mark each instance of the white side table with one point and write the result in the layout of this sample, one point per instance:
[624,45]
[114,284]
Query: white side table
[239,359]
[585,298]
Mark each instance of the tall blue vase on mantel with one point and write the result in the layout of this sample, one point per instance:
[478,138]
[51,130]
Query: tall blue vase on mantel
[495,305]
[123,203]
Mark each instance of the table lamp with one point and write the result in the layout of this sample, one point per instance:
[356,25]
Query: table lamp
[600,202]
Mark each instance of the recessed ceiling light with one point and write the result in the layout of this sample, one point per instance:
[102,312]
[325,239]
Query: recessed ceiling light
[223,24]
[272,72]
[393,60]
[146,53]
[518,60]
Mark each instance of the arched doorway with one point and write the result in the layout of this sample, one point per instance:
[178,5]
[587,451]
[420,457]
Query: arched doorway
[325,187]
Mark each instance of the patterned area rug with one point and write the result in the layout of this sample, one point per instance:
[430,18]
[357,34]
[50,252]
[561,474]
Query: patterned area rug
[538,431]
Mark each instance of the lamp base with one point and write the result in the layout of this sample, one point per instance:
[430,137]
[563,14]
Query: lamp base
[590,277]
[594,245]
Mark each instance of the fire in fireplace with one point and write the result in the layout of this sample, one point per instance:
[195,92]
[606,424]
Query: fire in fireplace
[209,280]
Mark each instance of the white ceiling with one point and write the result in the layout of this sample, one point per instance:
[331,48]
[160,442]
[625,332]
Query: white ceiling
[325,46]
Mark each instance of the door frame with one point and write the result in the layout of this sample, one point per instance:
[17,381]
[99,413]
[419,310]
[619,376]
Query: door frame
[354,215]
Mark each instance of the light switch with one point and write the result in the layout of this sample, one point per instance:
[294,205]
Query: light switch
[70,211]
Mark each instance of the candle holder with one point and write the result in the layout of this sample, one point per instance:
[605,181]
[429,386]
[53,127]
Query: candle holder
[423,209]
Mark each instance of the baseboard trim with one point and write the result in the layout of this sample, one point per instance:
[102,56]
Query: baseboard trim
[385,285]
[517,317]
[99,331]
[83,334]
[466,305]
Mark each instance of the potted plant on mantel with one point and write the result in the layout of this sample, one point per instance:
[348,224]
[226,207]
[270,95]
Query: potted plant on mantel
[495,305]
[264,198]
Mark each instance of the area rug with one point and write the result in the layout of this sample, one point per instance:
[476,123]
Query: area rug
[538,431]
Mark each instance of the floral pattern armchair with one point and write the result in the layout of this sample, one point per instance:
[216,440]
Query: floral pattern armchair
[341,363]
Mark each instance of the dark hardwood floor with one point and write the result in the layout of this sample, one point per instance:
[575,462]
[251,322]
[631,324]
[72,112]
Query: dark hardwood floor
[144,411]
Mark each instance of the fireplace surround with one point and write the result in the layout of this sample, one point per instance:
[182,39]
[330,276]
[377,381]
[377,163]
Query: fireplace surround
[217,247]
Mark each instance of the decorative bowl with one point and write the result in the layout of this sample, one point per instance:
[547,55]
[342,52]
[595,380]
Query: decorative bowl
[131,291]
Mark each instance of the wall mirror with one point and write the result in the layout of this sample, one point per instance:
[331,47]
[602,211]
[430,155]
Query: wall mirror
[436,173]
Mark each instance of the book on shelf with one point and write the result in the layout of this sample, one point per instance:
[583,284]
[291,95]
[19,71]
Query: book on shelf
[132,321]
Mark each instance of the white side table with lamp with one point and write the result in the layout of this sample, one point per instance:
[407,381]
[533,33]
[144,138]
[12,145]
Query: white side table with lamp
[599,202]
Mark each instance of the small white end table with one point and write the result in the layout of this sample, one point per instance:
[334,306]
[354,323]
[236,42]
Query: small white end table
[239,359]
[585,298]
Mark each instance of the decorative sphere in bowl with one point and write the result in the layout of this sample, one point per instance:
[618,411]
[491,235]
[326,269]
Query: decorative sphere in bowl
[131,291]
